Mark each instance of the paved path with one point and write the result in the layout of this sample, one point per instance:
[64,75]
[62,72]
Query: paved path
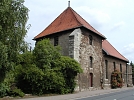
[79,94]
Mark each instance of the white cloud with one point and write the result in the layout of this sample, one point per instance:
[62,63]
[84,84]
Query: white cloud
[130,48]
[118,26]
[95,17]
[113,3]
[128,51]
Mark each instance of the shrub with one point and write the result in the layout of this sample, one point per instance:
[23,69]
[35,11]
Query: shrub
[50,73]
[16,92]
[3,89]
[69,68]
[116,80]
[30,80]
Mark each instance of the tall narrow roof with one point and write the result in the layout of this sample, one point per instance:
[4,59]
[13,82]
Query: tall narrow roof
[110,50]
[67,20]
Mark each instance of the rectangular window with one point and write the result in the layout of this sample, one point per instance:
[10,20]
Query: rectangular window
[91,62]
[114,66]
[106,64]
[90,39]
[56,40]
[121,69]
[126,74]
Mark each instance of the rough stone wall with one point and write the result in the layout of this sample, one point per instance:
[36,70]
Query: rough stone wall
[75,44]
[95,51]
[111,69]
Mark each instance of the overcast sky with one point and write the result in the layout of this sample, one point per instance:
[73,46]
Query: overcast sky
[112,18]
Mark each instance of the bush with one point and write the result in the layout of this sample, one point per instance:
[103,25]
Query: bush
[47,72]
[69,68]
[30,80]
[116,80]
[3,89]
[16,92]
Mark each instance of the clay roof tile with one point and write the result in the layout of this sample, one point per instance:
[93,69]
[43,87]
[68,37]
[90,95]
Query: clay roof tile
[110,50]
[68,19]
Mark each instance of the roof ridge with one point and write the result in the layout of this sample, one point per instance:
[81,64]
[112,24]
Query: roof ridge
[51,23]
[63,22]
[76,16]
[75,13]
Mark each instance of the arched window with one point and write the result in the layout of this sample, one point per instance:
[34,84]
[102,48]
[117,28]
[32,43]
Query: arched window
[90,39]
[121,70]
[114,66]
[56,40]
[106,65]
[91,79]
[91,62]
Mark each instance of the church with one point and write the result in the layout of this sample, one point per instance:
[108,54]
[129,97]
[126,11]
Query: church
[80,41]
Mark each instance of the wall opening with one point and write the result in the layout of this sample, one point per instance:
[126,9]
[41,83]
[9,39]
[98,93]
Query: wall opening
[91,79]
[106,65]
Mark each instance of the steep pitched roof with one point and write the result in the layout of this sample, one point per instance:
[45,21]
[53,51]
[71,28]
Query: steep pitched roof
[110,50]
[68,19]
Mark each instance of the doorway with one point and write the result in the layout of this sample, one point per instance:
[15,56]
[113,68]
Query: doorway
[91,79]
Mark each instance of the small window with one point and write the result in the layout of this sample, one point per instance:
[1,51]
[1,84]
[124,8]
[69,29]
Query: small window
[106,64]
[91,62]
[90,39]
[126,74]
[126,69]
[121,69]
[114,66]
[56,40]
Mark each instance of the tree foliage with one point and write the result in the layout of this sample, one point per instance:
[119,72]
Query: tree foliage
[45,54]
[3,61]
[13,18]
[70,68]
[48,71]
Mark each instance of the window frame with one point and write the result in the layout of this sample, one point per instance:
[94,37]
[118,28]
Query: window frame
[114,66]
[91,61]
[106,66]
[121,69]
[56,40]
[90,39]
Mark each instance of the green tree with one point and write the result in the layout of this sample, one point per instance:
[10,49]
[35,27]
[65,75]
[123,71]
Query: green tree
[45,71]
[70,69]
[3,61]
[45,54]
[56,67]
[13,18]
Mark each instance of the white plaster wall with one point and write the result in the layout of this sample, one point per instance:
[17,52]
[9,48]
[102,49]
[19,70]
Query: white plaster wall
[76,46]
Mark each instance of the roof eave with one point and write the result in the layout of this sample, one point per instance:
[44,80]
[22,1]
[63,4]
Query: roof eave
[56,32]
[115,56]
[96,33]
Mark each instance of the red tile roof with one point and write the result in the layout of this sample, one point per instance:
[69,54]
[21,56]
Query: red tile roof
[110,50]
[68,19]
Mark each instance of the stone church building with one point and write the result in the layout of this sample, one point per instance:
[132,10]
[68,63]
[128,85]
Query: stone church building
[79,40]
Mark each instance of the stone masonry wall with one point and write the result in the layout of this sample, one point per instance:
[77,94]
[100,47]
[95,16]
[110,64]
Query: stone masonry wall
[63,41]
[95,51]
[75,44]
[111,69]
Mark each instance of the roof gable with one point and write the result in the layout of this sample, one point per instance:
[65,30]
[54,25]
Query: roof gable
[110,50]
[68,19]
